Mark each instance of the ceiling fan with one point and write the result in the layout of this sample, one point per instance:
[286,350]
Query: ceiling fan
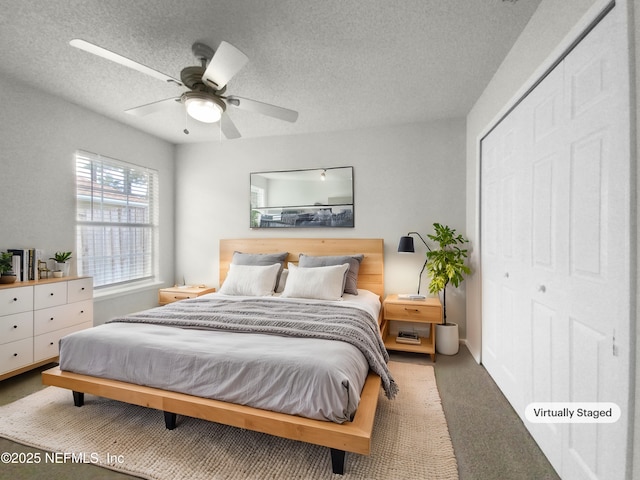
[205,100]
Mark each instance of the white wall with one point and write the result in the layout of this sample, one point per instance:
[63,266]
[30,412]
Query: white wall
[405,178]
[39,134]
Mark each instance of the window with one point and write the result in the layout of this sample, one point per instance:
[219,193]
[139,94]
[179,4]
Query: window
[257,196]
[116,220]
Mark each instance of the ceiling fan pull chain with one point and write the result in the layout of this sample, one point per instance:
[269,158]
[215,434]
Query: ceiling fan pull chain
[186,119]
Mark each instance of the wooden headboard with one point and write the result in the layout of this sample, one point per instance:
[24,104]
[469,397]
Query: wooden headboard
[370,276]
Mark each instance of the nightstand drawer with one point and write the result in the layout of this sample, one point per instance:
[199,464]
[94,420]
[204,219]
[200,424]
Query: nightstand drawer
[413,313]
[169,297]
[175,294]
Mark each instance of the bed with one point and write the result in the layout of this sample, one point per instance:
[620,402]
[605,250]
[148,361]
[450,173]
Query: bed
[341,435]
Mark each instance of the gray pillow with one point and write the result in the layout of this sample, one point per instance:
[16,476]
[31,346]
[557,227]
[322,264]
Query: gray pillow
[240,258]
[351,277]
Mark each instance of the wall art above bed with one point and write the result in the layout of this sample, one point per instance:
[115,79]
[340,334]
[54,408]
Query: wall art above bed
[312,198]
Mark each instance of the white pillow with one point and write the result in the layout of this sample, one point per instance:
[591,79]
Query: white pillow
[251,280]
[323,283]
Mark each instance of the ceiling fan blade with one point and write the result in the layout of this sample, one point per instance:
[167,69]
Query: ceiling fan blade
[114,57]
[228,127]
[263,108]
[226,62]
[154,107]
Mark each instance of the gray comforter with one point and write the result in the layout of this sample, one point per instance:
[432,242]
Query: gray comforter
[226,349]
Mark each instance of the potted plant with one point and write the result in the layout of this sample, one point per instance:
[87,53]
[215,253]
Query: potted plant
[6,268]
[61,266]
[446,265]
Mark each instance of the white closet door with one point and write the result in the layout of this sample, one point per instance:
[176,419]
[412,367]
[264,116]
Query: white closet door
[502,249]
[556,311]
[598,250]
[545,301]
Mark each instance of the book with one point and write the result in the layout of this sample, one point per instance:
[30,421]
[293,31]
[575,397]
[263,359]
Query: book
[408,337]
[25,262]
[411,341]
[410,296]
[23,265]
[38,256]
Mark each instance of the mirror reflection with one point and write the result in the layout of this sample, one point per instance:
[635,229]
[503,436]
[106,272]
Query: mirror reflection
[321,197]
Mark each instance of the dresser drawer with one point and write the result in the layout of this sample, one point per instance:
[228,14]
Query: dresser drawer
[16,327]
[16,354]
[413,313]
[80,289]
[50,295]
[48,345]
[16,300]
[55,318]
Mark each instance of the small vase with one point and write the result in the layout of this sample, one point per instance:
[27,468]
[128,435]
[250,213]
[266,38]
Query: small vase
[63,267]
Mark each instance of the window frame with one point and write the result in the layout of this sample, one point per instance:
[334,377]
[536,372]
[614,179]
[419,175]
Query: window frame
[112,212]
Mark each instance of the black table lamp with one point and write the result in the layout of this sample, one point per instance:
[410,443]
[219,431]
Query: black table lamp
[406,246]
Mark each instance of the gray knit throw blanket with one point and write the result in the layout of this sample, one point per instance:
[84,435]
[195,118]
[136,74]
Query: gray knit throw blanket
[285,318]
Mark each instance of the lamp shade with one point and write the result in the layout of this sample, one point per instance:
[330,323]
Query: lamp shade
[203,110]
[406,245]
[202,106]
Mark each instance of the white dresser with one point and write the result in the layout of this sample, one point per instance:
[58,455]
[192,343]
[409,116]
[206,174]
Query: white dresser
[35,315]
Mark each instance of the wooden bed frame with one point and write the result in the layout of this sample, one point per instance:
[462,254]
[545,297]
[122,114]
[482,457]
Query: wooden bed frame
[354,436]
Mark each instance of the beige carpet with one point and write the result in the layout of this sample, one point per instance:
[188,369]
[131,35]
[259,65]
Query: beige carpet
[410,440]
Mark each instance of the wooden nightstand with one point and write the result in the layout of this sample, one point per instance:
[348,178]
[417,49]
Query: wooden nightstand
[174,294]
[428,311]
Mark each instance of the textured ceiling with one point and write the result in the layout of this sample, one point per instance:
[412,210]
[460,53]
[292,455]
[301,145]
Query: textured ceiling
[340,64]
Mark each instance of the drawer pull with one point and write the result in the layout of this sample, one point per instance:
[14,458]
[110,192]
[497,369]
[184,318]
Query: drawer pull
[51,294]
[180,298]
[15,299]
[411,309]
[15,354]
[81,311]
[15,326]
[51,319]
[82,289]
[50,343]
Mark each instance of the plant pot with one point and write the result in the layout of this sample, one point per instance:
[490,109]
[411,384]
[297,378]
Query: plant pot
[57,274]
[63,267]
[8,278]
[447,339]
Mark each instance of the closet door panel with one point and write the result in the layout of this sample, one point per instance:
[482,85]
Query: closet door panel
[544,206]
[501,250]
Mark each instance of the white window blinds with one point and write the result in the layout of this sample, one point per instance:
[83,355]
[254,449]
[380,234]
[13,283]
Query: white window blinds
[117,220]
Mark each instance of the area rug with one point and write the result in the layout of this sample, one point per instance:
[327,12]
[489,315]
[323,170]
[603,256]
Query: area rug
[410,439]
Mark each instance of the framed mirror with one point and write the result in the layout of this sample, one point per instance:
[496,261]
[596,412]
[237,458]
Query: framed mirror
[320,197]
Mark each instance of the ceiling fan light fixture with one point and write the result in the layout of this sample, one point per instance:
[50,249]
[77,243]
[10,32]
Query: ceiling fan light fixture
[202,107]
